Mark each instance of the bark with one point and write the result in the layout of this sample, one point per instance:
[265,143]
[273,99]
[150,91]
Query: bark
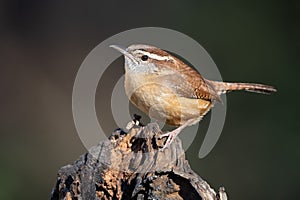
[132,166]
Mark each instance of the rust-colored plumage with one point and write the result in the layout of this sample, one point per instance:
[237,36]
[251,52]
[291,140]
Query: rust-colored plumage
[166,88]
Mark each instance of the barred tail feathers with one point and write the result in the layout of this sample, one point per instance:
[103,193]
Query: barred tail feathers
[223,87]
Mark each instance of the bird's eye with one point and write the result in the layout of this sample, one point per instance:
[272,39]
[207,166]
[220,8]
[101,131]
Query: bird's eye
[144,57]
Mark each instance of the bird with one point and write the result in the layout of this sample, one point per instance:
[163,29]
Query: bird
[159,82]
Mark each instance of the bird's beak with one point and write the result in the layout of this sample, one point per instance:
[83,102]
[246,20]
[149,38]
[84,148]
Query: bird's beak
[125,53]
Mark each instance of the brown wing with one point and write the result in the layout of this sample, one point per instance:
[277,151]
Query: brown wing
[202,89]
[186,81]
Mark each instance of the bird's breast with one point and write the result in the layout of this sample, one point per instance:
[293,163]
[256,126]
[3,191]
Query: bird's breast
[161,102]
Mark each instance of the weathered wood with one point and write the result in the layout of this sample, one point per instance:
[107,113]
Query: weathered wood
[131,166]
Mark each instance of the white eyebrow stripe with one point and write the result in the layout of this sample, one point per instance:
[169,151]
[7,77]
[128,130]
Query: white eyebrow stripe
[154,56]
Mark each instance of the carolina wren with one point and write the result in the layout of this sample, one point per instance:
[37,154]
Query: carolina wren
[162,84]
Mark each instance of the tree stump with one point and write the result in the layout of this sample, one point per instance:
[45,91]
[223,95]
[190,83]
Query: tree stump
[132,166]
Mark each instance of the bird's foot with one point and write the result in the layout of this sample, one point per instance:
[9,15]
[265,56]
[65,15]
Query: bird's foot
[171,136]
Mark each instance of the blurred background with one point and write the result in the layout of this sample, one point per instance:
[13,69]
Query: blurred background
[43,44]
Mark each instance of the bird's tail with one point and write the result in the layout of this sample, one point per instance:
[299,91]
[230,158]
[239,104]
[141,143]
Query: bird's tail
[224,87]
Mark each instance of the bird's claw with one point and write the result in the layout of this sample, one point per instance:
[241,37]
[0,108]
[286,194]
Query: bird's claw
[171,136]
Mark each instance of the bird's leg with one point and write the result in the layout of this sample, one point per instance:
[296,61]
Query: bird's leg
[172,134]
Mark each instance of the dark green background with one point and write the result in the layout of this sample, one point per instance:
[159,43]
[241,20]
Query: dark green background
[43,43]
